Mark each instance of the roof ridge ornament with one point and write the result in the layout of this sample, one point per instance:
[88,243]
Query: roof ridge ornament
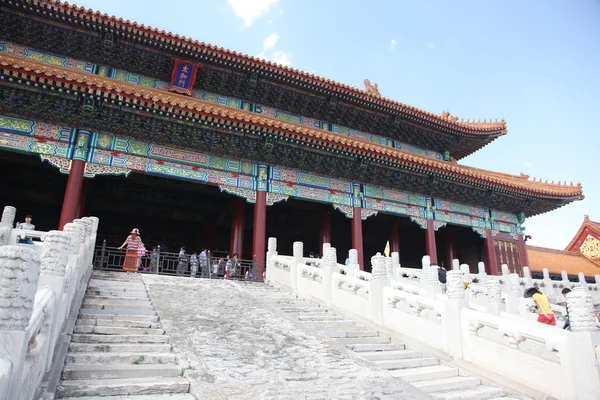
[372,89]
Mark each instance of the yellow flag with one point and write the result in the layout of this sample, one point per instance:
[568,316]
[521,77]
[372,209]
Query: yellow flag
[386,251]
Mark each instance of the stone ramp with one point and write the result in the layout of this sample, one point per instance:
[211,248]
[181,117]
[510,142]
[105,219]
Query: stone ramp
[119,349]
[429,374]
[237,348]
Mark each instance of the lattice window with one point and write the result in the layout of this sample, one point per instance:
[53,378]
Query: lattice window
[507,252]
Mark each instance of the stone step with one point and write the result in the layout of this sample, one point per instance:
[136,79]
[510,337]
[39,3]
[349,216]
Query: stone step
[321,318]
[472,393]
[122,324]
[407,363]
[111,287]
[114,275]
[445,384]
[117,296]
[425,373]
[390,355]
[120,347]
[117,330]
[97,306]
[118,302]
[122,387]
[85,338]
[105,291]
[96,281]
[119,371]
[309,312]
[137,357]
[366,340]
[114,317]
[301,307]
[182,396]
[116,312]
[359,348]
[325,325]
[351,334]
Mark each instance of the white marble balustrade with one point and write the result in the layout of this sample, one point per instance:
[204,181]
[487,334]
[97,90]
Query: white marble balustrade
[482,324]
[43,285]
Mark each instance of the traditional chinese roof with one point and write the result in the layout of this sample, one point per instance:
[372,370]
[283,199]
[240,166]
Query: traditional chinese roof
[559,260]
[473,135]
[180,106]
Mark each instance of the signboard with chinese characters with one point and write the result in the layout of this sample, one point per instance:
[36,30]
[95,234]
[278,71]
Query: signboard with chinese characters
[183,77]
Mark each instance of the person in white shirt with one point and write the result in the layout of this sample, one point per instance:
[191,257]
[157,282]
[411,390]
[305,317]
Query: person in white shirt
[26,226]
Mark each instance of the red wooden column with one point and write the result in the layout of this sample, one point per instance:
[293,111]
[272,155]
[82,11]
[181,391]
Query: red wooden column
[70,206]
[523,256]
[237,227]
[325,233]
[395,236]
[83,199]
[490,253]
[260,220]
[430,242]
[357,237]
[450,249]
[259,233]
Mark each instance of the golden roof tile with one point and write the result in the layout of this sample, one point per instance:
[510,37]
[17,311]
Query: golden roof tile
[558,260]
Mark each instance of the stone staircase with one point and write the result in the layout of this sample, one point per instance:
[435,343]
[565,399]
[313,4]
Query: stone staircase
[439,379]
[119,349]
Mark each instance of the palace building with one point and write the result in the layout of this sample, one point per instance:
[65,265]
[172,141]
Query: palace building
[203,146]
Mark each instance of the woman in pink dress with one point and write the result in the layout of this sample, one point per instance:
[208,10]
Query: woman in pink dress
[133,242]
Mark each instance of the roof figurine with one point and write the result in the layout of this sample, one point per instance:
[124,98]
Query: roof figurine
[372,89]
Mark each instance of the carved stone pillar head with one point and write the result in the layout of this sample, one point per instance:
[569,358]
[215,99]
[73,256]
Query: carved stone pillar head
[514,284]
[581,277]
[378,267]
[564,275]
[526,273]
[581,310]
[330,257]
[353,256]
[481,268]
[395,259]
[298,251]
[8,215]
[493,292]
[426,262]
[505,270]
[324,250]
[389,267]
[19,273]
[455,288]
[546,273]
[433,275]
[455,264]
[75,232]
[272,245]
[55,253]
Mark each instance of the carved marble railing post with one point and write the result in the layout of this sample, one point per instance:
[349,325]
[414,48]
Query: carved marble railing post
[504,278]
[378,282]
[6,224]
[547,283]
[425,263]
[271,251]
[389,268]
[324,249]
[19,273]
[527,277]
[513,294]
[481,274]
[53,267]
[434,287]
[564,277]
[395,265]
[494,296]
[578,360]
[329,265]
[455,290]
[582,282]
[298,250]
[352,266]
[455,264]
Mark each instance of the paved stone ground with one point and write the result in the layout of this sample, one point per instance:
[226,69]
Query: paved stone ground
[236,347]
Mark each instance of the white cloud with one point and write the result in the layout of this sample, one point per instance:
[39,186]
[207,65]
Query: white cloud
[528,164]
[393,44]
[270,41]
[431,45]
[282,58]
[268,51]
[250,10]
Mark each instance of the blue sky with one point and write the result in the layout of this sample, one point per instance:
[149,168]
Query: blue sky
[535,63]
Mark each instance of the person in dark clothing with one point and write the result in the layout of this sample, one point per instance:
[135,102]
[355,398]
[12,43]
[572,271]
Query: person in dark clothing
[567,326]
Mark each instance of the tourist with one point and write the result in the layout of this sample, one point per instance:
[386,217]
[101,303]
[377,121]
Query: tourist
[26,226]
[141,252]
[235,265]
[441,273]
[203,260]
[546,315]
[567,324]
[154,260]
[182,262]
[193,265]
[132,242]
